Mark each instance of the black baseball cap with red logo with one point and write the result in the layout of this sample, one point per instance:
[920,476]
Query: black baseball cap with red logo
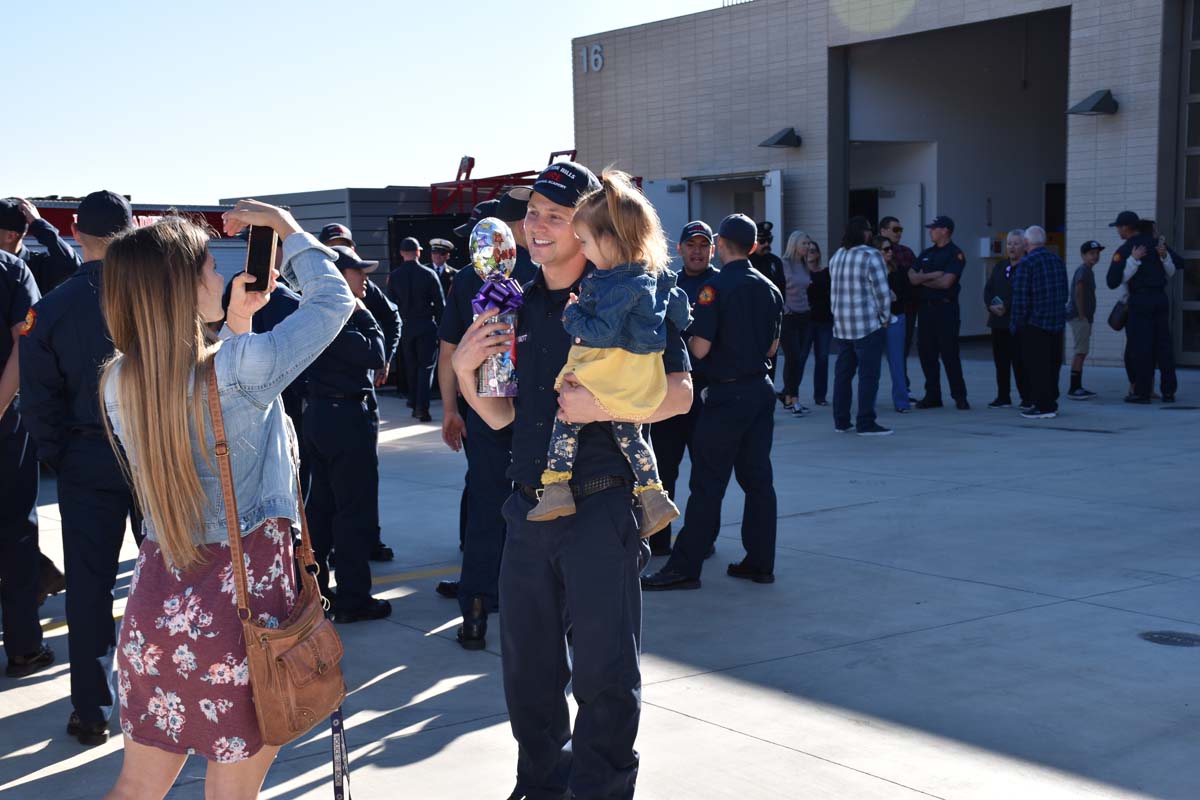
[696,228]
[565,182]
[333,231]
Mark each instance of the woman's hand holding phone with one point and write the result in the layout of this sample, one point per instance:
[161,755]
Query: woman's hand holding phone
[244,302]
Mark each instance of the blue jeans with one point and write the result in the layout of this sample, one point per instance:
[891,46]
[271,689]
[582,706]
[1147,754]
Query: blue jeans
[863,356]
[895,357]
[820,338]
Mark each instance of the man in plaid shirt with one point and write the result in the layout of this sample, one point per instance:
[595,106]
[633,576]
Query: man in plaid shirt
[861,312]
[1039,314]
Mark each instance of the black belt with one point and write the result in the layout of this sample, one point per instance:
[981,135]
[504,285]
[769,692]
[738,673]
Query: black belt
[358,396]
[582,489]
[743,379]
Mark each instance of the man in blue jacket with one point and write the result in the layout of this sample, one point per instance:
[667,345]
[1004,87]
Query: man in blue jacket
[61,355]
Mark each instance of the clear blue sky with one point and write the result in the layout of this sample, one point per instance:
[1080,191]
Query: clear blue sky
[189,102]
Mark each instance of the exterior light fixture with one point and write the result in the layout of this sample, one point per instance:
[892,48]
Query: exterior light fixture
[1097,103]
[785,138]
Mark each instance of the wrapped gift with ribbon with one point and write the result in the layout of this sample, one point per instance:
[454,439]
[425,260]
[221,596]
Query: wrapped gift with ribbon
[494,254]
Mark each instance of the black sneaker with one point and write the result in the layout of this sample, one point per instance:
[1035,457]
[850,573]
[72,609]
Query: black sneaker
[1168,398]
[874,429]
[740,570]
[1033,413]
[962,405]
[89,734]
[839,429]
[1080,394]
[371,610]
[799,410]
[925,402]
[22,666]
[1139,399]
[998,403]
[1025,406]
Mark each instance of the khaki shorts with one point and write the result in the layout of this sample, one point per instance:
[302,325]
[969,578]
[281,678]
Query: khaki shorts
[1081,331]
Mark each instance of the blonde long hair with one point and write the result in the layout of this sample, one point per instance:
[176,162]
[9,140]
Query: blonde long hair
[793,251]
[150,303]
[619,211]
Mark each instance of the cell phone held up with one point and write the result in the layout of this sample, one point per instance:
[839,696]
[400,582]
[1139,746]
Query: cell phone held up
[260,256]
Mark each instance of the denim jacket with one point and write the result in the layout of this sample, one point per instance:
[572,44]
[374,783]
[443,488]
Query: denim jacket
[626,307]
[252,370]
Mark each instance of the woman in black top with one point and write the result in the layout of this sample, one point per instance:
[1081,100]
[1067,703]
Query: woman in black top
[901,288]
[820,321]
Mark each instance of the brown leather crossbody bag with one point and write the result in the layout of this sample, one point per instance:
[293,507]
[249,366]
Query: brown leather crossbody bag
[295,673]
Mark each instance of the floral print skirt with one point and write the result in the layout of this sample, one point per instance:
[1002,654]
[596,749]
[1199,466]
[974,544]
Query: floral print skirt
[182,673]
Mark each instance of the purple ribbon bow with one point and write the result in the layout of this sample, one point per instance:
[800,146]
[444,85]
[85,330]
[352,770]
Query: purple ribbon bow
[503,294]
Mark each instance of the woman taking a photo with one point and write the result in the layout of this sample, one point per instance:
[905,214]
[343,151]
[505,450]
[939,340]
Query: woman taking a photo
[182,673]
[794,334]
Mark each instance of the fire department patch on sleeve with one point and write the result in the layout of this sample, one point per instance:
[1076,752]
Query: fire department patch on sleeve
[707,295]
[30,321]
[961,257]
[1117,257]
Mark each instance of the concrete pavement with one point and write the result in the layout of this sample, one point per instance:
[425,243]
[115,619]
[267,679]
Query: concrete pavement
[957,615]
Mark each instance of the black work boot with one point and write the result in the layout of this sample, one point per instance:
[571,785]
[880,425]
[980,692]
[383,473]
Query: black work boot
[472,633]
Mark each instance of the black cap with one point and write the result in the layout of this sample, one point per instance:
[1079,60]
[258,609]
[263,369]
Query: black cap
[740,229]
[484,210]
[1129,218]
[336,230]
[942,221]
[103,214]
[1089,245]
[696,227]
[409,245]
[765,234]
[565,182]
[348,259]
[11,218]
[513,204]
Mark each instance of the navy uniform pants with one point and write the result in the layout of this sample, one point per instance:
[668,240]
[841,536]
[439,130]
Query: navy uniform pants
[18,538]
[670,438]
[342,507]
[733,434]
[488,455]
[937,338]
[1148,343]
[373,405]
[94,502]
[583,568]
[420,354]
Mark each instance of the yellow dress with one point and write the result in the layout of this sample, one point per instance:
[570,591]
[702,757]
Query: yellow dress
[630,386]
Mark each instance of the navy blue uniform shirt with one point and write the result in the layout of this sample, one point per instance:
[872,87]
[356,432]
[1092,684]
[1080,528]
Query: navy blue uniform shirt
[387,317]
[691,285]
[61,358]
[18,293]
[459,315]
[344,369]
[55,265]
[941,259]
[542,348]
[740,311]
[417,294]
[1150,277]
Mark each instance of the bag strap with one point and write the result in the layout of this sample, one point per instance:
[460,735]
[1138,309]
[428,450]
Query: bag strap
[232,528]
[341,758]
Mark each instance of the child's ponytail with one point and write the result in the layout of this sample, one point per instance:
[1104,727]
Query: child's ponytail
[620,211]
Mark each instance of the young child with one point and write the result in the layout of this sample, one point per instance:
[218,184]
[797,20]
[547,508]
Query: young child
[618,325]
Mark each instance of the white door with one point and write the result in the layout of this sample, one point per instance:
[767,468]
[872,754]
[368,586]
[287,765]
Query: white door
[906,202]
[670,200]
[773,206]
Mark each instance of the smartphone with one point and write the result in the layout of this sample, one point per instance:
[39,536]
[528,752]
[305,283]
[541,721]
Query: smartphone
[260,256]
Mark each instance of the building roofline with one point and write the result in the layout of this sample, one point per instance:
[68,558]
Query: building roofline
[719,10]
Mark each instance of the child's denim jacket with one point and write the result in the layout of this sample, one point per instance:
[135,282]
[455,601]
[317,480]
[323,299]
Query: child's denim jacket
[626,307]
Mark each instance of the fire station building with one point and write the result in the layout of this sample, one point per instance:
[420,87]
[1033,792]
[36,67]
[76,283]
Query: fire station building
[998,113]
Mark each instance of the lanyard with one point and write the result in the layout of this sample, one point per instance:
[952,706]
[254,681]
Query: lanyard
[341,758]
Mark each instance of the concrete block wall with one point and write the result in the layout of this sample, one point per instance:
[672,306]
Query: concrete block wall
[694,96]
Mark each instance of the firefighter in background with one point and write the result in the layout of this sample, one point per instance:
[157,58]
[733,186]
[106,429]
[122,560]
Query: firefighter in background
[417,293]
